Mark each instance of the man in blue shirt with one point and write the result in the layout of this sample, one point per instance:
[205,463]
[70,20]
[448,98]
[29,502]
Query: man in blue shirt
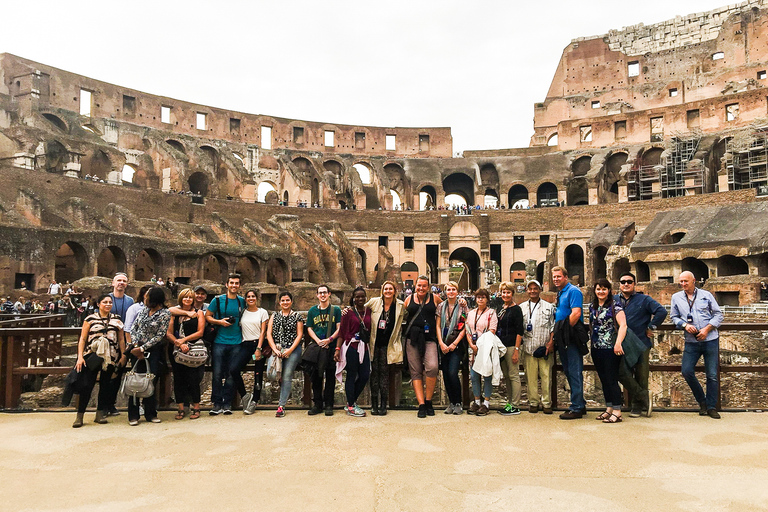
[120,304]
[643,315]
[224,312]
[570,307]
[696,311]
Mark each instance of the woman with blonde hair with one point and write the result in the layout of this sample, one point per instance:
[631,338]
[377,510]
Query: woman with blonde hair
[183,330]
[451,339]
[510,332]
[386,347]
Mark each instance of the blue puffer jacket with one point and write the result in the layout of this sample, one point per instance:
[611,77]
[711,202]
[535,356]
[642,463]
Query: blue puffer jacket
[641,312]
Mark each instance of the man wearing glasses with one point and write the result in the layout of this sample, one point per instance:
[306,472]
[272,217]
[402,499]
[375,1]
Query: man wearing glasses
[644,315]
[323,322]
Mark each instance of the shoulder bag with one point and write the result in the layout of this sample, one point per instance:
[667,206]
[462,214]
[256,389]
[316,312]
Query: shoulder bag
[138,385]
[195,357]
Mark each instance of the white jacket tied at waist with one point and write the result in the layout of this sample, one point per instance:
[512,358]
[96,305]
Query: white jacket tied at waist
[490,350]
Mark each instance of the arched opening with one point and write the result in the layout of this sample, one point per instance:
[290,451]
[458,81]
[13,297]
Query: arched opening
[581,165]
[489,176]
[427,197]
[248,268]
[651,157]
[56,122]
[552,141]
[729,265]
[717,153]
[263,189]
[303,165]
[574,263]
[333,167]
[546,195]
[642,271]
[398,183]
[364,172]
[598,262]
[672,237]
[465,268]
[517,197]
[315,192]
[110,261]
[460,184]
[452,200]
[577,193]
[128,172]
[70,262]
[517,272]
[214,268]
[409,271]
[277,272]
[396,203]
[540,273]
[211,162]
[285,198]
[611,177]
[491,198]
[178,146]
[697,267]
[620,267]
[363,263]
[198,183]
[97,164]
[148,263]
[56,155]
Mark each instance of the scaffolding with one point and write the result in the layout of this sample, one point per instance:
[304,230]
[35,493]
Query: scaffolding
[746,159]
[678,176]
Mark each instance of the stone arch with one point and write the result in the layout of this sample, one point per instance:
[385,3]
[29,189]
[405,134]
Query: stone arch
[363,262]
[248,268]
[71,261]
[699,269]
[651,157]
[620,266]
[409,271]
[263,189]
[552,140]
[334,167]
[540,272]
[546,194]
[611,176]
[315,198]
[364,172]
[56,155]
[148,263]
[96,164]
[398,182]
[285,198]
[580,167]
[642,271]
[489,177]
[464,229]
[599,266]
[128,173]
[178,146]
[460,184]
[198,183]
[56,121]
[518,197]
[214,268]
[577,191]
[729,265]
[210,161]
[517,272]
[303,166]
[471,261]
[277,272]
[110,261]
[427,197]
[574,262]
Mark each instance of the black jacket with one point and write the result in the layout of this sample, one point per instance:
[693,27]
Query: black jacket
[565,334]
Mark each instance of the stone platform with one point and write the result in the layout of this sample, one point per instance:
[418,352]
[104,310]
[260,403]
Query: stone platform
[670,462]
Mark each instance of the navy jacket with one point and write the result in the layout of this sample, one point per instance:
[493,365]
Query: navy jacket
[641,312]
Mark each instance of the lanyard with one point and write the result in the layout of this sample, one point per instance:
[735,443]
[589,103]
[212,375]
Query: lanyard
[122,307]
[691,302]
[477,319]
[532,311]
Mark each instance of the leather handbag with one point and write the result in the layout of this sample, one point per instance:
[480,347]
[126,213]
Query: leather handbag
[138,385]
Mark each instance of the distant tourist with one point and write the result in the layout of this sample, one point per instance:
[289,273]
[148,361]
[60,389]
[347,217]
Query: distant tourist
[323,320]
[696,311]
[568,315]
[54,288]
[284,333]
[351,352]
[608,328]
[452,339]
[538,348]
[644,316]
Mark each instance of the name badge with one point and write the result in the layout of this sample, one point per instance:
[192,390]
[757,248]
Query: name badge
[426,328]
[690,318]
[382,324]
[474,337]
[529,327]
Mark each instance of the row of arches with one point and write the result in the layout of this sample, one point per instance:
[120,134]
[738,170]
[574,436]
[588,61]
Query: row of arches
[71,263]
[459,190]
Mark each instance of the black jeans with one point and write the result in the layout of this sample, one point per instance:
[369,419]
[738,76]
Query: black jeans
[324,372]
[149,403]
[357,373]
[607,366]
[105,388]
[380,375]
[240,361]
[451,365]
[186,383]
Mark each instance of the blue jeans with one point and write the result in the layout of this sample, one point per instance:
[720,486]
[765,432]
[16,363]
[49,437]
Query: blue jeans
[223,385]
[573,367]
[481,383]
[451,365]
[691,355]
[289,365]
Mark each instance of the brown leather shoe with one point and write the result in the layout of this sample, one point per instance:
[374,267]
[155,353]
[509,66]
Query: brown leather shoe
[482,411]
[712,413]
[571,415]
[533,409]
[547,410]
[473,408]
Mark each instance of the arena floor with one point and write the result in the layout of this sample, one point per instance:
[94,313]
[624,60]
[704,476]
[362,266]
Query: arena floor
[670,462]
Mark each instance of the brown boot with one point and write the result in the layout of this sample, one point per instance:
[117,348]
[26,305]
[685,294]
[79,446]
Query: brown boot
[101,417]
[78,420]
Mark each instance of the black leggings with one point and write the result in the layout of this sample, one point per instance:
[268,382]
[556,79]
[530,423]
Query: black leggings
[380,375]
[357,373]
[186,383]
[607,366]
[105,389]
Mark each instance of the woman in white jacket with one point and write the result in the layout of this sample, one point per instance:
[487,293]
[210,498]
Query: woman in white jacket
[480,320]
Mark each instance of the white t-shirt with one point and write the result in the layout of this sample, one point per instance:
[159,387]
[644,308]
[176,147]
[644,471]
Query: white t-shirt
[250,323]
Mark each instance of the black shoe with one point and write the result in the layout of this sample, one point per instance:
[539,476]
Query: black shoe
[713,414]
[113,411]
[422,411]
[572,415]
[315,409]
[636,412]
[383,410]
[329,410]
[430,409]
[375,408]
[703,409]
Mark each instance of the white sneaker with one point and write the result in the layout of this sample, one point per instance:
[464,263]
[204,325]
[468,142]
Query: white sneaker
[245,402]
[457,409]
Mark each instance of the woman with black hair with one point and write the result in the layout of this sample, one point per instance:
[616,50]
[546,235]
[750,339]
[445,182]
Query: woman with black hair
[284,333]
[147,337]
[608,327]
[352,350]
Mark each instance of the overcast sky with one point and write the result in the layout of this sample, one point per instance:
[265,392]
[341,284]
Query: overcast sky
[477,67]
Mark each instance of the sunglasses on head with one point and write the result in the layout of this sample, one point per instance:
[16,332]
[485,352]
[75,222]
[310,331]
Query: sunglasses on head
[626,281]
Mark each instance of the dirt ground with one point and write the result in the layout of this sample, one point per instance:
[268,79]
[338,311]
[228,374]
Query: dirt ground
[670,462]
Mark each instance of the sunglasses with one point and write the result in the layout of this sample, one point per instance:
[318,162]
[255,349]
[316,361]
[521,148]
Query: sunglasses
[626,281]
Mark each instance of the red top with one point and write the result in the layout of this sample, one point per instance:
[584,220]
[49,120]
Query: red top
[350,324]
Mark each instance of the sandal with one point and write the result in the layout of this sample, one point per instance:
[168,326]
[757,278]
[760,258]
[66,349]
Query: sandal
[180,415]
[195,414]
[603,416]
[612,419]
